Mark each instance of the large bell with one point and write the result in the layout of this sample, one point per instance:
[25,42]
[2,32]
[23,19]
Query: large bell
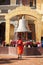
[22,26]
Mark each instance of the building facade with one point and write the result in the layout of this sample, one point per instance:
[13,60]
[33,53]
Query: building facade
[13,10]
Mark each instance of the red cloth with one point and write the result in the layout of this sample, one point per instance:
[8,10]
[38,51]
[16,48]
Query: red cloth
[13,42]
[19,46]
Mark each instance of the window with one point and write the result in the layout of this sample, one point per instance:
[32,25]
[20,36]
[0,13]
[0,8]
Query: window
[17,1]
[24,2]
[4,2]
[31,3]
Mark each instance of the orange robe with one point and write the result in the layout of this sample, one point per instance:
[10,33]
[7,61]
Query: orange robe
[19,46]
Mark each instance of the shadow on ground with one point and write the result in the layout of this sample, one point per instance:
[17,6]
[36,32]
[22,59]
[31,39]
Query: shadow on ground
[10,60]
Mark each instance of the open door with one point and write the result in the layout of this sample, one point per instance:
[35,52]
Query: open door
[2,32]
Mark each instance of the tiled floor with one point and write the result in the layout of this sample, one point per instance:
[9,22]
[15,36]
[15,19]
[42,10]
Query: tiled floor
[12,60]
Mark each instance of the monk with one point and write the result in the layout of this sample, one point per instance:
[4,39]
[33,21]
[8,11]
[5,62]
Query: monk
[20,48]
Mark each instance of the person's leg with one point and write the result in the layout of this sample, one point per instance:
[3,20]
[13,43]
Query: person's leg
[18,56]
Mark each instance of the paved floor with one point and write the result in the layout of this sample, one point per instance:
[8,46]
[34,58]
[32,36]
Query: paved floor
[27,60]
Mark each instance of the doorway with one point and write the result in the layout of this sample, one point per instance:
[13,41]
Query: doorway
[2,32]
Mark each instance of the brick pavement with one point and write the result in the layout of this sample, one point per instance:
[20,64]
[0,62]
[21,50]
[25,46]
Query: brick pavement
[27,60]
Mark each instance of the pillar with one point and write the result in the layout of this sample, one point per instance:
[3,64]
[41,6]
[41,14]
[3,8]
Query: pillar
[38,4]
[34,4]
[13,2]
[7,32]
[38,31]
[42,5]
